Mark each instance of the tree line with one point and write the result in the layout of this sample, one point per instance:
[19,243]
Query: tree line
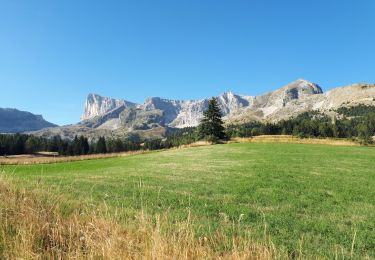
[356,123]
[28,144]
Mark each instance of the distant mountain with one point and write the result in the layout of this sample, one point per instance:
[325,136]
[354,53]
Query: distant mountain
[289,100]
[16,121]
[117,117]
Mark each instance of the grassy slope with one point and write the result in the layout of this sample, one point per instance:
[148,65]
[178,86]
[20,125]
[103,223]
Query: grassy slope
[315,195]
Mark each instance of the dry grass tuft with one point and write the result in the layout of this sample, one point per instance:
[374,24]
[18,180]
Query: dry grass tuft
[195,144]
[296,140]
[34,228]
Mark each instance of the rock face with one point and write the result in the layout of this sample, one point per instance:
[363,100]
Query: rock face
[96,105]
[16,121]
[290,100]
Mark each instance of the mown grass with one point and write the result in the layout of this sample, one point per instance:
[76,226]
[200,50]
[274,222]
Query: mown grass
[311,201]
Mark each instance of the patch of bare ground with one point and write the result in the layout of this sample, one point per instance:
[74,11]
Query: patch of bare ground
[32,227]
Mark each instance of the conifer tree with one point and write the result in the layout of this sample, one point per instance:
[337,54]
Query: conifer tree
[101,146]
[76,149]
[84,145]
[211,126]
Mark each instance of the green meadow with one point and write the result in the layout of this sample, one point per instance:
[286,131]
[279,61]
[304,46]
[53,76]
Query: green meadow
[317,199]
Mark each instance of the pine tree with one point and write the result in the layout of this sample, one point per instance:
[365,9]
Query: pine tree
[84,143]
[211,126]
[76,146]
[101,146]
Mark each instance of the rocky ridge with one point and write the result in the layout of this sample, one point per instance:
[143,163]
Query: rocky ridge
[118,116]
[290,100]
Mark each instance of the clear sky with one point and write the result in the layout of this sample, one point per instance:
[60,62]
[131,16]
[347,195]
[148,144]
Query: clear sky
[54,52]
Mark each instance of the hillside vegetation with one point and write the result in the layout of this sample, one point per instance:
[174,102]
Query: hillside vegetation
[266,200]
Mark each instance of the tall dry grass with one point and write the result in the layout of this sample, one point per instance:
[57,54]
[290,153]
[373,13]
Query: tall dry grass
[32,159]
[295,140]
[35,228]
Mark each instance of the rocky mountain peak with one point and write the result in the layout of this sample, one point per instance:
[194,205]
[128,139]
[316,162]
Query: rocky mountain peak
[159,103]
[228,94]
[230,102]
[97,105]
[305,87]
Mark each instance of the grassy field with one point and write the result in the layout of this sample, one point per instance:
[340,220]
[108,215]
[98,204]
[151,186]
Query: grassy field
[306,200]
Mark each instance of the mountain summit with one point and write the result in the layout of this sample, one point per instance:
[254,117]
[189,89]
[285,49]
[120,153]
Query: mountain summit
[97,105]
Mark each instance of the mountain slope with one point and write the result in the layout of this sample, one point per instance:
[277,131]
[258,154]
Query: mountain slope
[16,121]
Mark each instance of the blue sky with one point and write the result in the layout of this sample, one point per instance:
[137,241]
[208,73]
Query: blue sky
[54,52]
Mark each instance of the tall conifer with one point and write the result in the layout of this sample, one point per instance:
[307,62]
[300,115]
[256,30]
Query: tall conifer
[211,126]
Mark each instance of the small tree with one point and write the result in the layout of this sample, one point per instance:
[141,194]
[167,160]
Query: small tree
[211,126]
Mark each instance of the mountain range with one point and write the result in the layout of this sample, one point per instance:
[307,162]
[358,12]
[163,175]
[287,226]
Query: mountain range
[16,121]
[110,113]
[118,117]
